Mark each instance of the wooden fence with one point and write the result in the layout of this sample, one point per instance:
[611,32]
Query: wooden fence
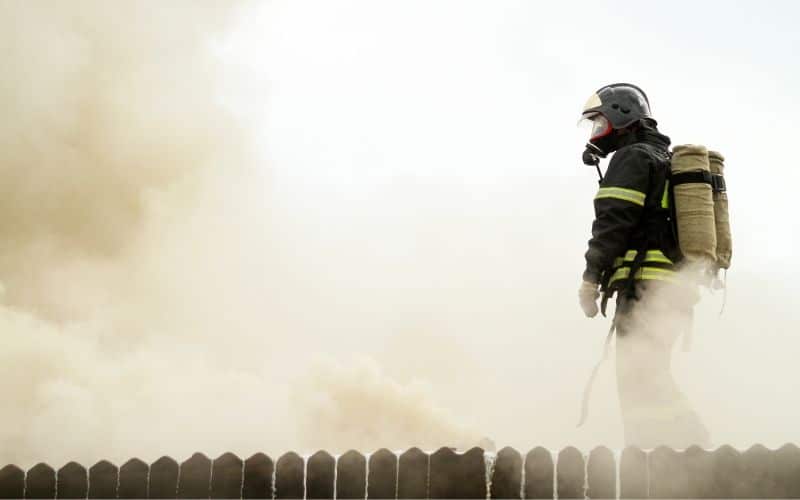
[660,473]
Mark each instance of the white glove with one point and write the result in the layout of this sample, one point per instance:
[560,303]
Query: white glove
[588,295]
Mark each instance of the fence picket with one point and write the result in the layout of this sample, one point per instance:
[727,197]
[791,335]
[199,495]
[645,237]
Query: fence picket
[601,472]
[72,481]
[667,473]
[226,477]
[539,473]
[786,463]
[320,475]
[699,472]
[570,473]
[382,479]
[40,482]
[507,477]
[194,480]
[727,473]
[758,480]
[351,476]
[12,482]
[454,475]
[633,473]
[133,479]
[258,472]
[290,476]
[412,474]
[163,481]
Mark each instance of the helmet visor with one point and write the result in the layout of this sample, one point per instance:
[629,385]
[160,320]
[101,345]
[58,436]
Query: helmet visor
[598,125]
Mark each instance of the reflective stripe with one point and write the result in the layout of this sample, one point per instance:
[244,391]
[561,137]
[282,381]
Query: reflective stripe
[645,273]
[619,193]
[650,256]
[665,196]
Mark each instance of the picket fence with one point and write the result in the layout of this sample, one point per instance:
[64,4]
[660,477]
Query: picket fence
[661,473]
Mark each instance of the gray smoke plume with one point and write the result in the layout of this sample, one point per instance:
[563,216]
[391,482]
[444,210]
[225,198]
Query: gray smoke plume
[142,308]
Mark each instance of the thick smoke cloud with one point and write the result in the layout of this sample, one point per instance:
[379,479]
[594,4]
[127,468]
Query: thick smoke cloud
[144,297]
[108,107]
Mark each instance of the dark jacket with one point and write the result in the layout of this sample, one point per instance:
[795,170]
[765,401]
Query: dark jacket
[632,215]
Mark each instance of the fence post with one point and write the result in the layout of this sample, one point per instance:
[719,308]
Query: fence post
[507,476]
[727,472]
[351,476]
[454,475]
[758,479]
[320,475]
[786,460]
[699,471]
[40,482]
[194,480]
[382,480]
[12,482]
[539,473]
[633,473]
[72,481]
[412,474]
[570,473]
[667,473]
[163,478]
[133,479]
[601,472]
[226,477]
[258,477]
[290,476]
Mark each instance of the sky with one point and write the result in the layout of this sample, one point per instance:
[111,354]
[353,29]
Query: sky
[265,226]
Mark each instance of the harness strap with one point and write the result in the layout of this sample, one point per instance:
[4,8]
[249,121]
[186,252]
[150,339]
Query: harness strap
[630,290]
[587,391]
[716,181]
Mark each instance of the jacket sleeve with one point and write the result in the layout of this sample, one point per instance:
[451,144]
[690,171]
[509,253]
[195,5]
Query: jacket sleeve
[618,207]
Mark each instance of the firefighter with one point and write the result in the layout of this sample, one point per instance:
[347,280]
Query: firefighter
[633,253]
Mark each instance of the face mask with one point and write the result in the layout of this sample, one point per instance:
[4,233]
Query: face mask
[598,124]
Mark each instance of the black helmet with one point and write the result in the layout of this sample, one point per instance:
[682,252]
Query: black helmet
[621,104]
[614,107]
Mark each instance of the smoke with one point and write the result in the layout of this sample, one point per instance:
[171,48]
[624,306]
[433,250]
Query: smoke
[358,406]
[143,289]
[379,280]
[109,111]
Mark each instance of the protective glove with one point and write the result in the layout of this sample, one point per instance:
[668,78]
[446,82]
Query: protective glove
[588,295]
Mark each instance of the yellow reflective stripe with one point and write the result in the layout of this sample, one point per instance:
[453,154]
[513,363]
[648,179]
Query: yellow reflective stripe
[619,193]
[650,256]
[656,256]
[645,273]
[665,196]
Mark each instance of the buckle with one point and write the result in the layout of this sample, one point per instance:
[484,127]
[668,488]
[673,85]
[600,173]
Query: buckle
[718,183]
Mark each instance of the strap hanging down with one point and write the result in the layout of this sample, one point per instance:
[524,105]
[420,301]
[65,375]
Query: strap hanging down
[587,391]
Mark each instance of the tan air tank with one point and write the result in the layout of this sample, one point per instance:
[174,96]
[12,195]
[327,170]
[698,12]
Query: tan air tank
[721,219]
[694,206]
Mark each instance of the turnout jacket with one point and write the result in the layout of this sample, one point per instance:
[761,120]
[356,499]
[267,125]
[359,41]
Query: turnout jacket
[632,231]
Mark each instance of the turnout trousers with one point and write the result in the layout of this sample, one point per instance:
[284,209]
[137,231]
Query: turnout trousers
[654,410]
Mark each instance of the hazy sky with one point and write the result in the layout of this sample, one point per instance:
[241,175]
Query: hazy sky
[441,135]
[476,99]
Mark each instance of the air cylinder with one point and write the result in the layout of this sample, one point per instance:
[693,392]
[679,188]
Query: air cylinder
[694,206]
[721,220]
